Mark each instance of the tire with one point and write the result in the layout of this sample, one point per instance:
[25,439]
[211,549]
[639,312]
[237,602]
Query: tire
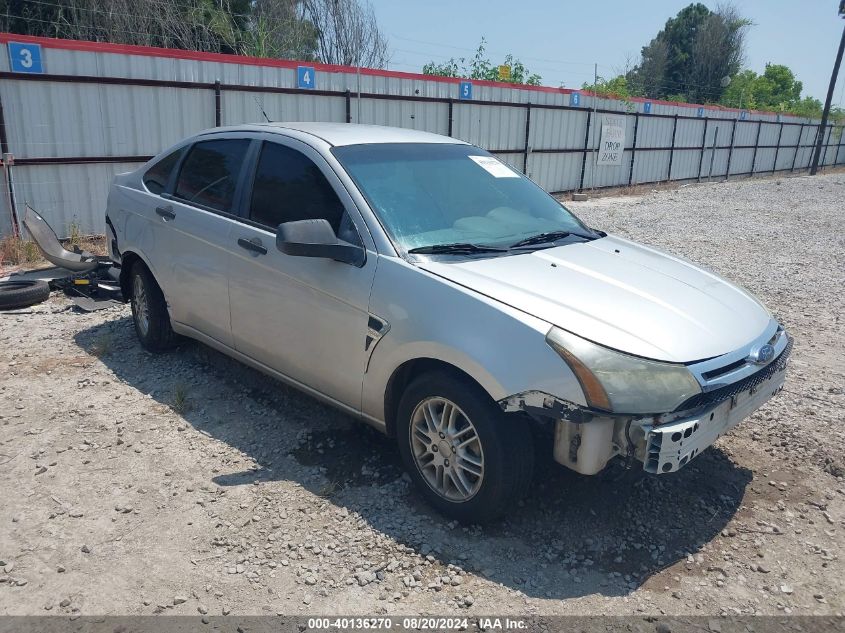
[503,443]
[149,311]
[22,293]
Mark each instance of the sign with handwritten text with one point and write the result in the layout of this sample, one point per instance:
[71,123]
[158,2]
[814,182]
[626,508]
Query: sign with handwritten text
[612,142]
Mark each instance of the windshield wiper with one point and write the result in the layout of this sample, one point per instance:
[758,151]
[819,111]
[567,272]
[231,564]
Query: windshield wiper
[458,248]
[542,238]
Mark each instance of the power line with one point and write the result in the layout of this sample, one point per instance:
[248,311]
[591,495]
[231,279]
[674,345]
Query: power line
[473,50]
[437,56]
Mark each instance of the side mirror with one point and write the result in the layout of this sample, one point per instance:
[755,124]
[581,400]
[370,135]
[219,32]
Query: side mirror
[316,238]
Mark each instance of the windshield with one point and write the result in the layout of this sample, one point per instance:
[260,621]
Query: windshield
[428,194]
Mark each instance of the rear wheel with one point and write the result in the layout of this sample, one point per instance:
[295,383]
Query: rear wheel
[149,311]
[468,459]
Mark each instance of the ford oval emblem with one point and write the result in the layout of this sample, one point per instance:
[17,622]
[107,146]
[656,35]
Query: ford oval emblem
[762,355]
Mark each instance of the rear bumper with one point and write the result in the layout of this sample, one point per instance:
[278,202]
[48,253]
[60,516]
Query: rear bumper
[669,447]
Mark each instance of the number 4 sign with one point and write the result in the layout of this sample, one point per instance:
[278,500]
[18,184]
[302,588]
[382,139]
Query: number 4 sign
[305,77]
[25,58]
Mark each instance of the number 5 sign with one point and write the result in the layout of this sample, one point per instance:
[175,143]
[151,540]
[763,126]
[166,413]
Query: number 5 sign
[25,58]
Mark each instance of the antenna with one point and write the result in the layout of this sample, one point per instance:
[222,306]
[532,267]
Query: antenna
[261,107]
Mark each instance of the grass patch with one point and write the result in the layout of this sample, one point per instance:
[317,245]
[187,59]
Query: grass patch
[180,404]
[15,251]
[74,235]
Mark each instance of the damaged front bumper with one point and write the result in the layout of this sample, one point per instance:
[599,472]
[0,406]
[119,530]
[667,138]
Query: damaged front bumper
[586,441]
[670,446]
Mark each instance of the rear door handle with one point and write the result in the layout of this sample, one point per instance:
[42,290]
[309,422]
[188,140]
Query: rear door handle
[166,212]
[251,246]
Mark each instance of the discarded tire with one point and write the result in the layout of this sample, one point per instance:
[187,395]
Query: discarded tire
[22,293]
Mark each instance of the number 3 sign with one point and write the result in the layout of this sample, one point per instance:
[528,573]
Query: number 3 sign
[25,58]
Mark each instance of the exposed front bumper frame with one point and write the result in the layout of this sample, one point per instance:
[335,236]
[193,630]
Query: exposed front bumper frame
[585,440]
[669,447]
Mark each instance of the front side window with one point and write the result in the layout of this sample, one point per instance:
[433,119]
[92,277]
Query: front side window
[158,175]
[429,194]
[209,174]
[288,186]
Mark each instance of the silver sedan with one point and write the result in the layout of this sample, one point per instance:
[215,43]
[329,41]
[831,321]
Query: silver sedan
[420,284]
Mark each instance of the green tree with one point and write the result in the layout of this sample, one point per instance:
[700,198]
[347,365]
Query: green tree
[615,88]
[776,89]
[480,67]
[679,34]
[779,85]
[276,28]
[741,92]
[691,54]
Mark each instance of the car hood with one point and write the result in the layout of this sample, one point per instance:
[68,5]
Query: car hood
[622,295]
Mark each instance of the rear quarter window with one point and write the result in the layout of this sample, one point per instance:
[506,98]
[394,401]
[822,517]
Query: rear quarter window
[158,175]
[210,172]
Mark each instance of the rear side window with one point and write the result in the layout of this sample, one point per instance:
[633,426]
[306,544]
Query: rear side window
[210,173]
[158,175]
[289,186]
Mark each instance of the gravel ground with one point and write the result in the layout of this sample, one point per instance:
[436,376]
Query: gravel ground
[186,483]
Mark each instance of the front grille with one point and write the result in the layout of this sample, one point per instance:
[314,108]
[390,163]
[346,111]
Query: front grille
[729,391]
[721,371]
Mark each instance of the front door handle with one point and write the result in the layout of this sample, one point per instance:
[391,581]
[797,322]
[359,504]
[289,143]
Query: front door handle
[249,245]
[166,212]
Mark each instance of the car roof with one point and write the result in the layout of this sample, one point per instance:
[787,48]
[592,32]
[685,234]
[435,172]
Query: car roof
[347,133]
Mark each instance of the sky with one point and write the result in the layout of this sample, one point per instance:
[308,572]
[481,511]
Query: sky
[562,40]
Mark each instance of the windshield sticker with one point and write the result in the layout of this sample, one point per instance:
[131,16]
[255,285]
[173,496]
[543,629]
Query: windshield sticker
[494,167]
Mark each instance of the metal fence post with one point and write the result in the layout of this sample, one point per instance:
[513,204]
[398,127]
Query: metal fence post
[526,148]
[672,147]
[348,97]
[777,149]
[730,151]
[7,172]
[797,145]
[218,110]
[586,147]
[451,119]
[756,143]
[829,131]
[713,153]
[703,147]
[633,148]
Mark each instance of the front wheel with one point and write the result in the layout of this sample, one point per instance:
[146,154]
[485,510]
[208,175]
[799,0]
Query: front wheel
[469,460]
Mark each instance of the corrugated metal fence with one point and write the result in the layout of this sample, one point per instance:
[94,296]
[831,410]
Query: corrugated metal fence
[99,109]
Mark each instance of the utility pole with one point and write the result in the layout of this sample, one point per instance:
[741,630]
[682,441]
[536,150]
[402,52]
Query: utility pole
[820,137]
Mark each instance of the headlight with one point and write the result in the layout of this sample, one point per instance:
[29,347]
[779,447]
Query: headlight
[613,381]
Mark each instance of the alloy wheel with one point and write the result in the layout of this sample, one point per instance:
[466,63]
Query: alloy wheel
[447,449]
[141,305]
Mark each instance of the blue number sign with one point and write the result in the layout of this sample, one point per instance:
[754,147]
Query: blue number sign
[305,77]
[743,115]
[575,99]
[700,111]
[465,90]
[647,107]
[25,58]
